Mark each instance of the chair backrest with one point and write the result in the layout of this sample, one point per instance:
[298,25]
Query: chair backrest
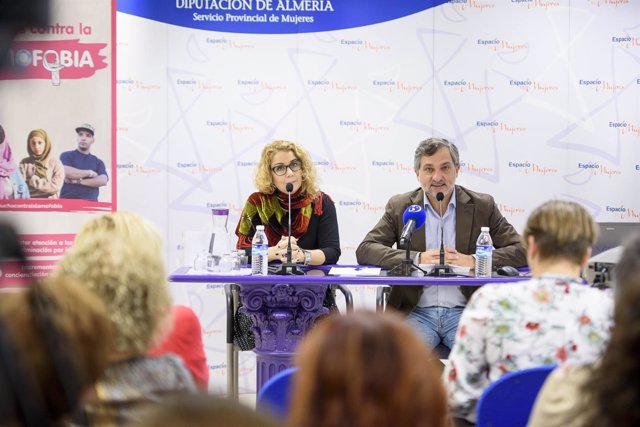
[274,394]
[508,401]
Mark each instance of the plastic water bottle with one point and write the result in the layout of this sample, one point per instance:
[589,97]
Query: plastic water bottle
[484,253]
[259,248]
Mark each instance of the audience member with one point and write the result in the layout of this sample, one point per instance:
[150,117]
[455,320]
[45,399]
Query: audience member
[54,343]
[204,411]
[12,185]
[185,341]
[551,319]
[366,370]
[603,394]
[118,256]
[434,311]
[42,171]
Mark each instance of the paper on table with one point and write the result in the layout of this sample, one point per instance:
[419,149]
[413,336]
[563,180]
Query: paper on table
[355,271]
[241,272]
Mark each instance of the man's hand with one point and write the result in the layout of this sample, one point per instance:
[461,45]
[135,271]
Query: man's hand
[451,256]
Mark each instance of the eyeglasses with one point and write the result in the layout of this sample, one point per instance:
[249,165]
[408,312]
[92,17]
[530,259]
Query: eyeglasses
[280,169]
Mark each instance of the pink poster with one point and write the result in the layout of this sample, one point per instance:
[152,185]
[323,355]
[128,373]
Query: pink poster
[57,128]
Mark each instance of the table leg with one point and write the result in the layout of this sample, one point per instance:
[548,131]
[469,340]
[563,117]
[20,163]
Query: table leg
[282,315]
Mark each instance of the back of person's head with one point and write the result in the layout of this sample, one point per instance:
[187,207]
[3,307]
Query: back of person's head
[363,370]
[204,411]
[561,230]
[55,342]
[118,256]
[613,395]
[10,248]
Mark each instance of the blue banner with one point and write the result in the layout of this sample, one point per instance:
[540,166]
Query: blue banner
[273,16]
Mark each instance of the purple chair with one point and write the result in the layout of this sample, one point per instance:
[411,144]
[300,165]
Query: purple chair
[508,401]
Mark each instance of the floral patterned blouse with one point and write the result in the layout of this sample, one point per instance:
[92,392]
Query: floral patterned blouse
[504,328]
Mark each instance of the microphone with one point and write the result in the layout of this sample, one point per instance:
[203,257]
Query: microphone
[440,198]
[289,188]
[414,217]
[441,269]
[289,268]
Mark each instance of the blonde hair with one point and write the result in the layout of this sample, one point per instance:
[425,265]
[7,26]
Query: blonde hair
[118,256]
[562,230]
[264,180]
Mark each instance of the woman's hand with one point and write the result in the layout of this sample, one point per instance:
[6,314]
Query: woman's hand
[280,250]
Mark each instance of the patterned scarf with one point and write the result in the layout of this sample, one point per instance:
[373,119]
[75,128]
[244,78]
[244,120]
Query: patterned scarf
[270,210]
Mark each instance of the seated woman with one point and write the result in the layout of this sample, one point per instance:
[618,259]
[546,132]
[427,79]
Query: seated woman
[54,340]
[12,185]
[118,257]
[314,225]
[551,319]
[604,394]
[366,370]
[315,239]
[42,171]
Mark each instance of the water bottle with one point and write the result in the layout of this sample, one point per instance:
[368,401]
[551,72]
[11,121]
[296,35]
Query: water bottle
[219,240]
[259,248]
[484,252]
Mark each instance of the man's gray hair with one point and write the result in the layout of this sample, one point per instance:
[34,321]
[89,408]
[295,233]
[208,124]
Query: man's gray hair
[428,147]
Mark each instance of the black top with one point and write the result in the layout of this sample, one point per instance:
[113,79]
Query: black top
[322,232]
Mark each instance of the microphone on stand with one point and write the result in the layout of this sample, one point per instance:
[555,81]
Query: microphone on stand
[289,268]
[439,198]
[414,217]
[441,269]
[289,188]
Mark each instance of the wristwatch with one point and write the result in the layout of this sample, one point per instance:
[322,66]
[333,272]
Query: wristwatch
[307,257]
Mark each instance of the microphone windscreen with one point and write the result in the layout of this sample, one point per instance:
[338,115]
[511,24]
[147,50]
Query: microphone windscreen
[289,187]
[416,213]
[440,196]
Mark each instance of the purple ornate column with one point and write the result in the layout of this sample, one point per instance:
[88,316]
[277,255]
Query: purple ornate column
[282,314]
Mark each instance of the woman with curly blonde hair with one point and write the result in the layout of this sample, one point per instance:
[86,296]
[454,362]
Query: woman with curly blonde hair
[118,257]
[314,225]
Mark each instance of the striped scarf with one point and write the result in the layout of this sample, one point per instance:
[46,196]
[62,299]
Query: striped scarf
[270,210]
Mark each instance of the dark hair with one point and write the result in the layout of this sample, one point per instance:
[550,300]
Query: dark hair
[9,244]
[57,336]
[612,393]
[54,342]
[366,369]
[428,147]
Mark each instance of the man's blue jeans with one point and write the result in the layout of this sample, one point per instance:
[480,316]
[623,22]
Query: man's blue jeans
[436,324]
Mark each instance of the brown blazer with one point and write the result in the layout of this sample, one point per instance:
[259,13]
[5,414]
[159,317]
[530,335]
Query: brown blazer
[473,210]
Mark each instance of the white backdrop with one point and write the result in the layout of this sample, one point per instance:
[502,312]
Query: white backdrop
[541,97]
